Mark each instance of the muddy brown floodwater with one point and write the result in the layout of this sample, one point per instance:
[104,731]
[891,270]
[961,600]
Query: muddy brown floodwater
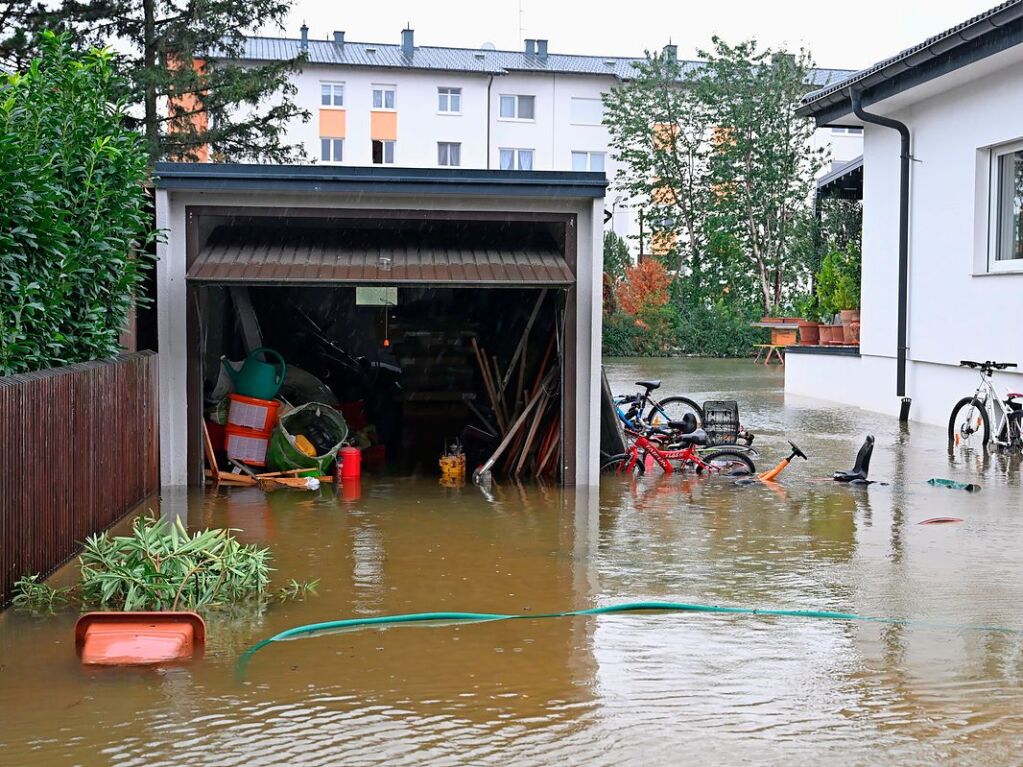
[610,690]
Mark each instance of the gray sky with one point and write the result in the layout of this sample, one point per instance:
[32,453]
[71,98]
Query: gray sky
[847,34]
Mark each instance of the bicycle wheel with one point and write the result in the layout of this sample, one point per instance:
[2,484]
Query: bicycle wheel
[968,427]
[673,409]
[729,462]
[616,465]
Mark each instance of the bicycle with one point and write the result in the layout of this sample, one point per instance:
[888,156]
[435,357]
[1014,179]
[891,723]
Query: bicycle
[635,416]
[685,449]
[972,417]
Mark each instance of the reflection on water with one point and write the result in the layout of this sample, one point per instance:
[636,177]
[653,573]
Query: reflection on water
[624,689]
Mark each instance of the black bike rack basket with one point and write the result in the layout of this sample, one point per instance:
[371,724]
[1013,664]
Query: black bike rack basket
[721,421]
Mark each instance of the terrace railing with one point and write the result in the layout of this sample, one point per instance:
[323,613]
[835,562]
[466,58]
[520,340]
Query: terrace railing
[78,451]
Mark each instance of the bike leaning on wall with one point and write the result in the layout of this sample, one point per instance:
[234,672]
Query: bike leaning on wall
[987,418]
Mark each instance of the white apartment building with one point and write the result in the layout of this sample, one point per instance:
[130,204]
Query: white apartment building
[424,106]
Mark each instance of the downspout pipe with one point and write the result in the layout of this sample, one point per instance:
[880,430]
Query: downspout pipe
[905,157]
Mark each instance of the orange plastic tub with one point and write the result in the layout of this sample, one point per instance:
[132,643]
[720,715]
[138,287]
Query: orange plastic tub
[246,445]
[252,413]
[138,638]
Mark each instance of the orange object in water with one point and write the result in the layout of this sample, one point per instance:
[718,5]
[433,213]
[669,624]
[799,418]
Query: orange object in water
[247,445]
[138,638]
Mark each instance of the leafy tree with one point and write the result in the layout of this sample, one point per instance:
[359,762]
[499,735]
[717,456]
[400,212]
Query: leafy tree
[659,135]
[617,258]
[74,215]
[20,23]
[763,163]
[186,84]
[645,285]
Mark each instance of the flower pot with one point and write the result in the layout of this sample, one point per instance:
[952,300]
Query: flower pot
[809,333]
[831,335]
[849,315]
[852,333]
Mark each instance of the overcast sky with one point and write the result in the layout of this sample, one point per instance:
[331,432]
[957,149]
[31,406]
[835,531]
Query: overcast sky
[845,34]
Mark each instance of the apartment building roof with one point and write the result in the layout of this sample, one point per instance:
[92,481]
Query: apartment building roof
[471,60]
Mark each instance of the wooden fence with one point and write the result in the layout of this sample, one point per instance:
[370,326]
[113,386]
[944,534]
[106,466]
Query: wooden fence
[78,450]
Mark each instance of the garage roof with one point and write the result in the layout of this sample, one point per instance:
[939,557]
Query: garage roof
[296,254]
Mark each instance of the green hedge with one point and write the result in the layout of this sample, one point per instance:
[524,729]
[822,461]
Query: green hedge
[73,210]
[717,330]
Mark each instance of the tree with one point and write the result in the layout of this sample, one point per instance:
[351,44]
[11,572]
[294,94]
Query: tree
[659,135]
[20,23]
[763,163]
[645,286]
[74,214]
[187,86]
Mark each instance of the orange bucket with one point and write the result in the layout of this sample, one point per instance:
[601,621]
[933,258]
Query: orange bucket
[251,413]
[246,445]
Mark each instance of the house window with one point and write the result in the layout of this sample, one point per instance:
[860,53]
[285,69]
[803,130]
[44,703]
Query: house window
[449,153]
[383,152]
[449,100]
[332,149]
[517,107]
[588,161]
[586,111]
[840,131]
[516,159]
[332,94]
[383,97]
[1006,241]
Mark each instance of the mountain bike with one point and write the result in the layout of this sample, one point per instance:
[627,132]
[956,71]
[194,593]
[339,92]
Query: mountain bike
[689,451]
[970,426]
[632,408]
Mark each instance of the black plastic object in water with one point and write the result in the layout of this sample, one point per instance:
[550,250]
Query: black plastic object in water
[862,467]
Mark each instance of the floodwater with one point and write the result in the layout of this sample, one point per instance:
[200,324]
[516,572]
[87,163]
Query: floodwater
[610,690]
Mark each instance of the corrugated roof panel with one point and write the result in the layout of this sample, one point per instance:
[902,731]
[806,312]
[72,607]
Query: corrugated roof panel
[302,263]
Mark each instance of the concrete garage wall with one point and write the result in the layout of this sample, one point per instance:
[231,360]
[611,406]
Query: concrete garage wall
[958,309]
[172,307]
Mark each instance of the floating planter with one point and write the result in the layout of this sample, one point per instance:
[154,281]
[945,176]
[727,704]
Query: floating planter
[138,638]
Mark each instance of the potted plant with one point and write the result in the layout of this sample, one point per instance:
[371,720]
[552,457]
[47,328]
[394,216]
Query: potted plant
[809,323]
[846,295]
[824,291]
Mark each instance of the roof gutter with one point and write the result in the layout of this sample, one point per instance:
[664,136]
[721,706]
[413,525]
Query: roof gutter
[905,157]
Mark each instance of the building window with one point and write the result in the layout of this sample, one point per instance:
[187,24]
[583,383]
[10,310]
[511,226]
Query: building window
[840,131]
[449,100]
[586,111]
[588,161]
[449,153]
[383,97]
[517,107]
[383,152]
[332,94]
[1006,241]
[516,159]
[332,149]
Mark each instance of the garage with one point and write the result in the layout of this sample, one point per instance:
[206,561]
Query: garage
[430,307]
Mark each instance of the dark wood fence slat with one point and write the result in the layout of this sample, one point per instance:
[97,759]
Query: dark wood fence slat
[78,451]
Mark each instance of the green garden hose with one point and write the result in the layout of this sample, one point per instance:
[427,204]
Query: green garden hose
[456,617]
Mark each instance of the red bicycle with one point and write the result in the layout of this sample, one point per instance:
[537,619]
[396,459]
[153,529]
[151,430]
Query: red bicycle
[689,451]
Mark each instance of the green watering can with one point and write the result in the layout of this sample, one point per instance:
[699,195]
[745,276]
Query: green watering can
[258,379]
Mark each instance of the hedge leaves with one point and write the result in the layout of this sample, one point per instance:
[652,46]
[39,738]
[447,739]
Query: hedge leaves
[74,218]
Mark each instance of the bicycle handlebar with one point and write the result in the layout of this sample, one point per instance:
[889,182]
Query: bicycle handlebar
[987,365]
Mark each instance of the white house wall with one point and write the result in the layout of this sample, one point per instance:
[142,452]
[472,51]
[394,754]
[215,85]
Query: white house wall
[957,310]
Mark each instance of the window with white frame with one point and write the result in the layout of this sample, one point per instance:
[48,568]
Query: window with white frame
[332,94]
[586,111]
[846,131]
[449,101]
[516,159]
[514,107]
[383,96]
[1005,248]
[449,153]
[332,149]
[383,152]
[588,161]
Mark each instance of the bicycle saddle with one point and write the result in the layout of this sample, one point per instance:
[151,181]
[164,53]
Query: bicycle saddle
[649,385]
[698,437]
[687,425]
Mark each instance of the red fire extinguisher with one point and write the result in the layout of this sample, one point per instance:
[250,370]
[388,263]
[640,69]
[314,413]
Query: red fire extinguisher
[349,463]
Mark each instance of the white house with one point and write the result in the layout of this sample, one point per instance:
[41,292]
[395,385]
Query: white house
[427,107]
[943,252]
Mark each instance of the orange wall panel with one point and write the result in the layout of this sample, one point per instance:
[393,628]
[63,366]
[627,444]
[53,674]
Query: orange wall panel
[383,126]
[332,123]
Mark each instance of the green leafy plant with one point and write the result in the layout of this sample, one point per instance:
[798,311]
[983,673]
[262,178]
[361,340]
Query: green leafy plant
[32,594]
[296,590]
[838,280]
[74,215]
